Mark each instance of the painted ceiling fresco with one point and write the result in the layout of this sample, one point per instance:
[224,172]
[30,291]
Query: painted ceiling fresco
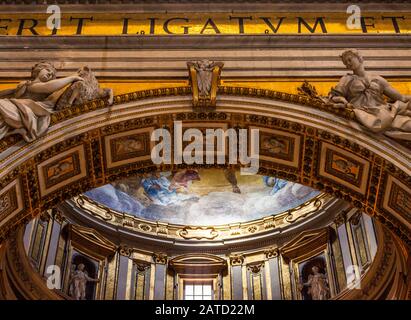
[201,197]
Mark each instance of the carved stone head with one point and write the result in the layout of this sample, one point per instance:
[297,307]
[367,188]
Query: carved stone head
[44,70]
[348,55]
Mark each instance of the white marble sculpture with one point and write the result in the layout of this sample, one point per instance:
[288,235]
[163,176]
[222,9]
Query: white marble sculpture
[367,94]
[78,282]
[27,109]
[317,285]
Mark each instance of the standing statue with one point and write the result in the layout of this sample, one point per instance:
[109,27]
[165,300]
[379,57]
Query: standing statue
[366,94]
[26,110]
[317,285]
[78,281]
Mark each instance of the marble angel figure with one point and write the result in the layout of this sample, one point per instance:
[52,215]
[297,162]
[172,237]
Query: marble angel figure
[367,95]
[27,109]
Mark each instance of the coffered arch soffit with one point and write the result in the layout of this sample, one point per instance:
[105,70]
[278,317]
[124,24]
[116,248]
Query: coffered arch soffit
[322,151]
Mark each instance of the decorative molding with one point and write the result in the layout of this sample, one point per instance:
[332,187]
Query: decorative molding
[255,267]
[91,242]
[198,263]
[198,233]
[236,259]
[305,242]
[340,218]
[271,253]
[160,258]
[125,250]
[179,232]
[209,42]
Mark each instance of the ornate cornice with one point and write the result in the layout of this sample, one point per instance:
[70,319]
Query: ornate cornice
[196,4]
[209,42]
[240,231]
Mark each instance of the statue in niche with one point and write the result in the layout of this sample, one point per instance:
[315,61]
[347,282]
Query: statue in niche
[366,94]
[317,285]
[78,281]
[26,110]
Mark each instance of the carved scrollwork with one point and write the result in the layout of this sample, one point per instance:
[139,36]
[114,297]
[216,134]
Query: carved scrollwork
[252,229]
[295,214]
[198,233]
[57,215]
[141,267]
[162,229]
[255,267]
[82,200]
[308,90]
[160,258]
[271,253]
[236,259]
[355,219]
[340,218]
[145,227]
[125,250]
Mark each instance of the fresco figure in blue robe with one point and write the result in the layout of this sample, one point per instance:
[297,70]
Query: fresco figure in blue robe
[158,189]
[275,183]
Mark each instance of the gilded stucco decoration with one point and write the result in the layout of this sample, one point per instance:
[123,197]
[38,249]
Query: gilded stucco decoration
[204,79]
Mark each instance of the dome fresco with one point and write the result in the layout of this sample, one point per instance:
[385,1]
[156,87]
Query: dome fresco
[201,197]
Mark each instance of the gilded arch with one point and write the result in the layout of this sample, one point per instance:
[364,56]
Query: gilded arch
[376,180]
